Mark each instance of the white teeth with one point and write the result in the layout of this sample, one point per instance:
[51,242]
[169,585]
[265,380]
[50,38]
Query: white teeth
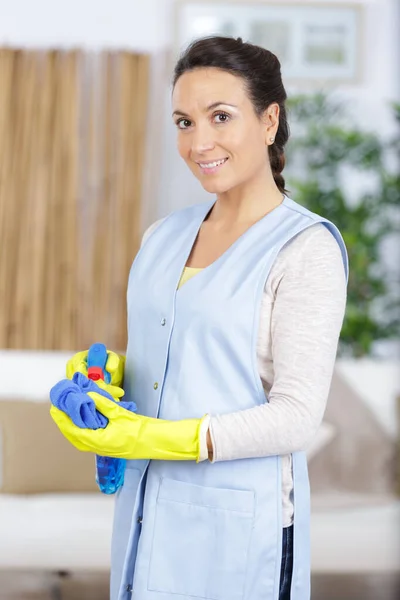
[212,164]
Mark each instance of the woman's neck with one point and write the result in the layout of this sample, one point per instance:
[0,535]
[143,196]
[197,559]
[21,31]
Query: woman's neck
[246,204]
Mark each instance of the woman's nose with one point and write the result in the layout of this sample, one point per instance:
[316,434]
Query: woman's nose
[202,140]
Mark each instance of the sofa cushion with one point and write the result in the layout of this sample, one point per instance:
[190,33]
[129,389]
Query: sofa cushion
[55,532]
[35,457]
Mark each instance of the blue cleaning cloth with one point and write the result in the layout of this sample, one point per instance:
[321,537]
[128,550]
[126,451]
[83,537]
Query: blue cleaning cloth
[71,397]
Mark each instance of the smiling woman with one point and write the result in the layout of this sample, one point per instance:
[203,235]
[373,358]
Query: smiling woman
[228,104]
[234,312]
[222,137]
[226,114]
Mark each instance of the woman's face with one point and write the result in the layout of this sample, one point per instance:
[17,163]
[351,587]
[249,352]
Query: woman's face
[220,136]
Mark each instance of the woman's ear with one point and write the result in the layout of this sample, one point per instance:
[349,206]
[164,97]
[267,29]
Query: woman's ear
[271,122]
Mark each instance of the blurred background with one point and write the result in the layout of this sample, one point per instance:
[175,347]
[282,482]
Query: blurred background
[88,161]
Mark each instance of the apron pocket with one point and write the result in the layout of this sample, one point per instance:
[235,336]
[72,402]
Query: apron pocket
[201,539]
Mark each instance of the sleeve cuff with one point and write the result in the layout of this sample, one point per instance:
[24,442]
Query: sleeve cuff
[203,438]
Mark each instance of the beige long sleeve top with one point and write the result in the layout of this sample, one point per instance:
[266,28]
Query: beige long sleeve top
[301,317]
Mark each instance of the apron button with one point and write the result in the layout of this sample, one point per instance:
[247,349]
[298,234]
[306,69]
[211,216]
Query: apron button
[155,386]
[140,520]
[163,321]
[129,587]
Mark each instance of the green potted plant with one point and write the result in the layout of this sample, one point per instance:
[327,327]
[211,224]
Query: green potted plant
[325,152]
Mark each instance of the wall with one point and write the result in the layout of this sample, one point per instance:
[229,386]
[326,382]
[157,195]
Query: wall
[88,23]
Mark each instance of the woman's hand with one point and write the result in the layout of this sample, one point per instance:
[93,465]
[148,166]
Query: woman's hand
[115,366]
[132,436]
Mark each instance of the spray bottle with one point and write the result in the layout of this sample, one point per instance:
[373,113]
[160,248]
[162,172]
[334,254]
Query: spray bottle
[109,471]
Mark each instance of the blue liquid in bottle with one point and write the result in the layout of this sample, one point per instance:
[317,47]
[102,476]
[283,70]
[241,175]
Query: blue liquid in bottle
[109,471]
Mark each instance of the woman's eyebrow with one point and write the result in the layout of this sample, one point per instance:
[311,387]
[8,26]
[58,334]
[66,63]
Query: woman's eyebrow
[210,107]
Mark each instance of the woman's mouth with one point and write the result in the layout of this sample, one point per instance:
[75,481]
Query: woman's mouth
[210,167]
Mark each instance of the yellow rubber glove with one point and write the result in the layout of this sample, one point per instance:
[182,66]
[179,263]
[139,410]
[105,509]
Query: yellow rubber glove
[115,366]
[132,436]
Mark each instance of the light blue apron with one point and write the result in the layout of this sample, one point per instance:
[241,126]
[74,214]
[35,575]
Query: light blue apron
[183,530]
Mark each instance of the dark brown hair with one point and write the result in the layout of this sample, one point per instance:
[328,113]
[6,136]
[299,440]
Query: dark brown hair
[261,71]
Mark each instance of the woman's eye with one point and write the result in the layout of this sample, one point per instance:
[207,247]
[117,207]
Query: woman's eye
[221,117]
[183,123]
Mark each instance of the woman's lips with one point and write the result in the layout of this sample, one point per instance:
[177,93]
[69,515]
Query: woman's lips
[210,167]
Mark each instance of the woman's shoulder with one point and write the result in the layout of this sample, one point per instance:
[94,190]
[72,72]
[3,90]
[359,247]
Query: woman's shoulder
[151,230]
[313,254]
[315,240]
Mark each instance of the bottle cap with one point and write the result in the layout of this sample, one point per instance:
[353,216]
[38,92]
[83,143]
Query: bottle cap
[95,373]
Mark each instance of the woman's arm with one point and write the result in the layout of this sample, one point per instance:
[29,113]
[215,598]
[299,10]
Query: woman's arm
[307,316]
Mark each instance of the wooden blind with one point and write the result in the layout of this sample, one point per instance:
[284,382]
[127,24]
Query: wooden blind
[72,142]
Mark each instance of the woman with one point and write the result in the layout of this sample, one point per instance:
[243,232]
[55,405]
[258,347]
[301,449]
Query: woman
[234,312]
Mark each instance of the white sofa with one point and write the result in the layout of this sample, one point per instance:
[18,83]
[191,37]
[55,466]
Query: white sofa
[55,532]
[50,531]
